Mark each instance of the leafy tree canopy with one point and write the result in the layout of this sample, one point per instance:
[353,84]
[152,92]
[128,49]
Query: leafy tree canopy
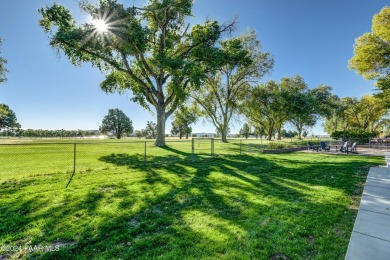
[367,114]
[3,70]
[149,50]
[150,131]
[117,123]
[183,118]
[336,119]
[372,53]
[272,104]
[224,89]
[8,118]
[245,130]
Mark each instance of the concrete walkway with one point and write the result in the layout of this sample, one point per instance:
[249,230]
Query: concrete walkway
[370,237]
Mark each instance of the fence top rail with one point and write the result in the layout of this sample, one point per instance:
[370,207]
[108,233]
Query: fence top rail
[81,143]
[25,144]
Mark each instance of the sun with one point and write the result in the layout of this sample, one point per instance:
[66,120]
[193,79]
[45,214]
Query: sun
[101,25]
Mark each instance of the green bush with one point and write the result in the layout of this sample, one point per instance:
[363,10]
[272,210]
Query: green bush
[273,145]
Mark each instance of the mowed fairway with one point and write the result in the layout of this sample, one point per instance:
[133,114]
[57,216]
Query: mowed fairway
[297,205]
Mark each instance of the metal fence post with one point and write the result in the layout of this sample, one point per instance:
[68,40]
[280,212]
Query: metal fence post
[74,164]
[192,150]
[145,154]
[212,147]
[74,158]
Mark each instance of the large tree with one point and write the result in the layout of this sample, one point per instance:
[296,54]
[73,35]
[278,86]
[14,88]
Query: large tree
[305,115]
[337,118]
[3,70]
[272,104]
[288,98]
[183,118]
[150,50]
[366,113]
[223,91]
[8,118]
[308,105]
[261,106]
[372,53]
[258,130]
[245,131]
[117,123]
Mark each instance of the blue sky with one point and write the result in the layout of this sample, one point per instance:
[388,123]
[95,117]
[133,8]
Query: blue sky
[313,39]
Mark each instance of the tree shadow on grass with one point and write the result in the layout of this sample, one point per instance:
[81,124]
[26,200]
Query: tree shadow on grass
[136,161]
[123,159]
[235,206]
[175,151]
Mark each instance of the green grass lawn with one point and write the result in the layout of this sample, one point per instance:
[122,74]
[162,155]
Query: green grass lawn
[287,206]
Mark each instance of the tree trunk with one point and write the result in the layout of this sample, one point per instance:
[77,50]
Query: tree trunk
[280,132]
[223,135]
[299,133]
[270,133]
[160,140]
[187,136]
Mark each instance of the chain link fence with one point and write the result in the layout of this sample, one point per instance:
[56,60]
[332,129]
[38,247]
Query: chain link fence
[32,158]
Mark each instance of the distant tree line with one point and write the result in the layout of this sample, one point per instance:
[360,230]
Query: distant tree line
[258,132]
[38,133]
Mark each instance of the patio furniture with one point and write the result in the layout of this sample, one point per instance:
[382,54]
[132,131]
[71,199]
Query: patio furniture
[310,146]
[324,147]
[352,149]
[344,148]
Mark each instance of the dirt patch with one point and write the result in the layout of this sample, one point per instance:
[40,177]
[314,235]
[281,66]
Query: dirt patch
[310,239]
[355,202]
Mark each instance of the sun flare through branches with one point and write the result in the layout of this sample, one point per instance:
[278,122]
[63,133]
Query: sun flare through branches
[101,26]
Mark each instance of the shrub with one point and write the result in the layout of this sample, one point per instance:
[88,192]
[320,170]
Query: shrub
[273,145]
